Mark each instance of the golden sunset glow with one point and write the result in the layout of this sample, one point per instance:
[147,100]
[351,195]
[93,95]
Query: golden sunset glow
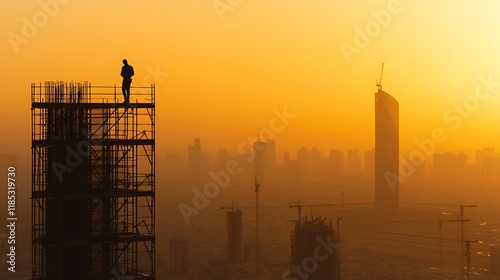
[381,118]
[228,69]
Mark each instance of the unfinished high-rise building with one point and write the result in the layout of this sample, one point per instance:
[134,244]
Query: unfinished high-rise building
[93,182]
[234,235]
[315,251]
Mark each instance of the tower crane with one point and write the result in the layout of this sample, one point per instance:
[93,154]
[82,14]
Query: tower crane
[461,220]
[467,254]
[462,206]
[299,207]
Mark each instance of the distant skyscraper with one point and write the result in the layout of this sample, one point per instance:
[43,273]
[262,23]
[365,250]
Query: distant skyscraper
[309,250]
[491,176]
[336,165]
[304,162]
[264,160]
[418,174]
[386,151]
[234,235]
[292,169]
[205,163]
[485,153]
[247,165]
[315,155]
[270,159]
[178,256]
[320,166]
[195,159]
[449,171]
[488,167]
[369,166]
[353,163]
[474,180]
[286,157]
[259,149]
[221,159]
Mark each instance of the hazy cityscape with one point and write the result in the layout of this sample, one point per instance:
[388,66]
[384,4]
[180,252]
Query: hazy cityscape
[233,140]
[470,175]
[418,240]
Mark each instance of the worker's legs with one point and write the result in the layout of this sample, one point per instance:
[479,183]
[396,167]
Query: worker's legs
[126,89]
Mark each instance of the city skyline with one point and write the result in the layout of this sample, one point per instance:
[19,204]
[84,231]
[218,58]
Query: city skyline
[230,117]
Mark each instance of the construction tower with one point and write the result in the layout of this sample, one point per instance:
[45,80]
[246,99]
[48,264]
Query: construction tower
[93,182]
[315,251]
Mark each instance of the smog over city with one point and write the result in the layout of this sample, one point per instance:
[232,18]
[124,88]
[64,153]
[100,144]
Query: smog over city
[234,139]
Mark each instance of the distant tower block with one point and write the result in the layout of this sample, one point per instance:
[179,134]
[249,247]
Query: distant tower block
[386,153]
[259,161]
[495,260]
[309,253]
[195,160]
[234,235]
[178,257]
[249,251]
[93,183]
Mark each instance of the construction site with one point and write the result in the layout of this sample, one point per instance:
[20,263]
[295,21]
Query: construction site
[93,208]
[315,250]
[93,182]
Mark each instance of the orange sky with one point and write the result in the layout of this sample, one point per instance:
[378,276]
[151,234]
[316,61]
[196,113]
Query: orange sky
[228,69]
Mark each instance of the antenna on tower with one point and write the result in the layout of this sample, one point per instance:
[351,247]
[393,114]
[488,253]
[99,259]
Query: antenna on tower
[379,82]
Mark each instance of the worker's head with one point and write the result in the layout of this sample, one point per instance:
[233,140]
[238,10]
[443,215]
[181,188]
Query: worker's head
[125,62]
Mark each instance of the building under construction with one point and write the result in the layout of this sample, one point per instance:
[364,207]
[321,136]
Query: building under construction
[234,235]
[93,182]
[315,251]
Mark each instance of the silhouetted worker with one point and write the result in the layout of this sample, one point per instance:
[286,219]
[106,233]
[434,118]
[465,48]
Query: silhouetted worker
[127,73]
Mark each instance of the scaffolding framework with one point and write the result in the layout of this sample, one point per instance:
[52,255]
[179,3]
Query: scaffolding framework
[93,182]
[307,245]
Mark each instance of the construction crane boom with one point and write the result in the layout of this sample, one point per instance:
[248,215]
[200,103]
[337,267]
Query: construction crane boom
[300,206]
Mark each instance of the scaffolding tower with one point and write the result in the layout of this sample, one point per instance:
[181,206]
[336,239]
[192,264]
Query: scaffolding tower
[93,182]
[315,250]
